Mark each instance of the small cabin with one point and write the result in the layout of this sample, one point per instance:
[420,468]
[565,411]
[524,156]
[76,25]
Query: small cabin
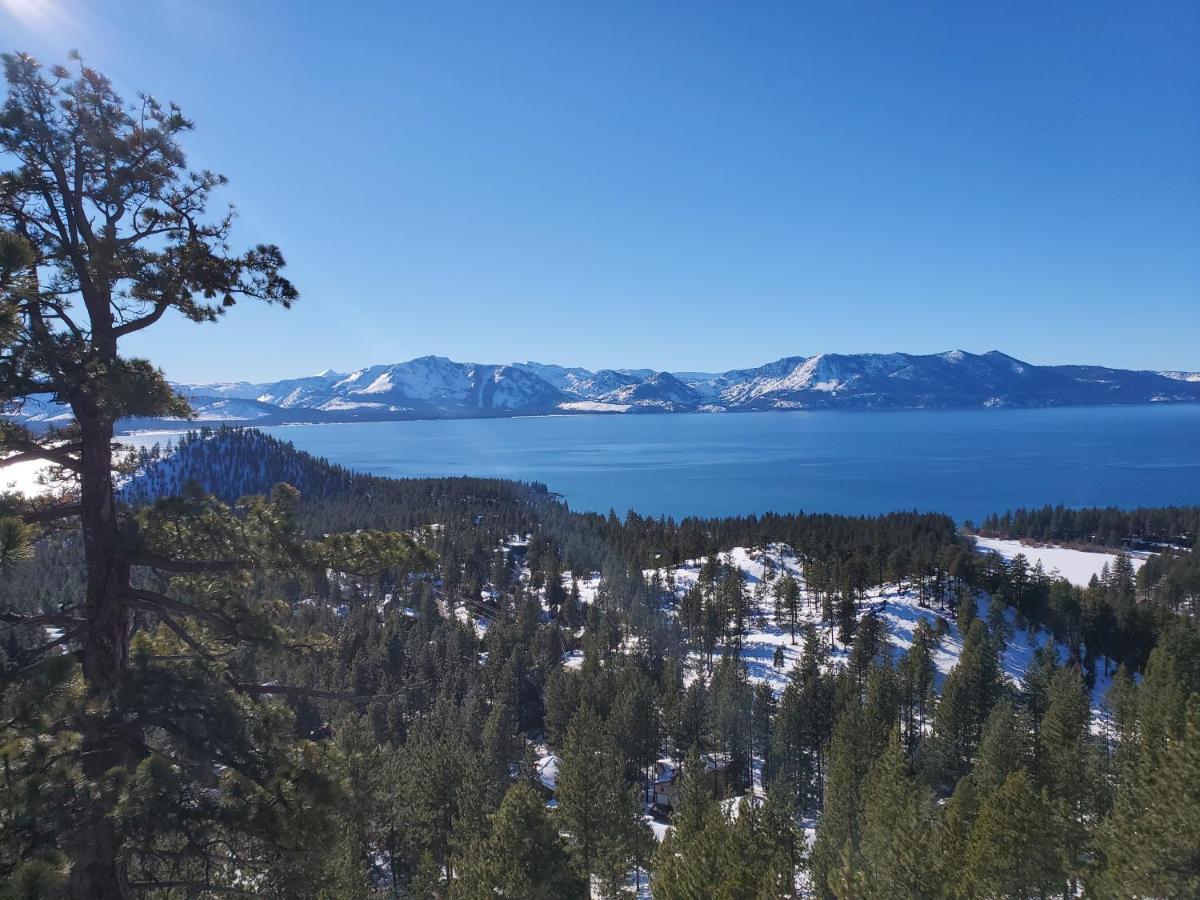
[668,776]
[546,770]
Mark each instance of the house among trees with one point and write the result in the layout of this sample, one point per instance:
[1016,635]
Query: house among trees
[546,769]
[668,776]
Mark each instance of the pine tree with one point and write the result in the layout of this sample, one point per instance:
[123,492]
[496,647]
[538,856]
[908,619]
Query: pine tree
[1069,767]
[729,718]
[952,834]
[634,725]
[560,700]
[594,805]
[695,864]
[895,821]
[1151,841]
[787,603]
[916,675]
[969,692]
[158,708]
[1121,703]
[1011,851]
[1003,748]
[694,803]
[836,844]
[762,715]
[523,857]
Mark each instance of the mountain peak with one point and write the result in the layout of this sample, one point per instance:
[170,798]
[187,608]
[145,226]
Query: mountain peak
[436,386]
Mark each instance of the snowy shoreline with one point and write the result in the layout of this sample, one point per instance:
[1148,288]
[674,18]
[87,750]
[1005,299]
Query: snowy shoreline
[1077,566]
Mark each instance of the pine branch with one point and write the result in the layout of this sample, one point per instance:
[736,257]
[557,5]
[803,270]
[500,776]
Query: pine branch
[51,513]
[16,620]
[185,566]
[183,634]
[153,601]
[28,659]
[60,457]
[144,322]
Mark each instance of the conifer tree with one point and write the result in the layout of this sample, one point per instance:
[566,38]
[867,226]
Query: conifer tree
[1011,852]
[159,717]
[560,701]
[952,834]
[1151,841]
[694,803]
[1068,766]
[595,808]
[697,864]
[1003,748]
[968,693]
[523,857]
[787,603]
[836,845]
[896,818]
[916,676]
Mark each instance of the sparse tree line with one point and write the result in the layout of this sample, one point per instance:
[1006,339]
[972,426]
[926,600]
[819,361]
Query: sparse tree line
[1142,528]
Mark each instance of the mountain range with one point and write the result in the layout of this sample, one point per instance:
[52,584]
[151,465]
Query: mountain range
[437,387]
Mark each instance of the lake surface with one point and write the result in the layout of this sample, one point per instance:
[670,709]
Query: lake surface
[965,462]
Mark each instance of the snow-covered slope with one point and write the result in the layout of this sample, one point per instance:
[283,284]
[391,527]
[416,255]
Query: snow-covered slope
[661,392]
[1077,566]
[434,382]
[896,608]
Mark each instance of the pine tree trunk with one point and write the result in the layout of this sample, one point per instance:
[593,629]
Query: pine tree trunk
[106,647]
[95,874]
[96,870]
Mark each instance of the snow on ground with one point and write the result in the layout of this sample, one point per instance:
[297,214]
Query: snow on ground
[587,586]
[897,608]
[467,617]
[572,659]
[657,826]
[1077,566]
[595,406]
[758,648]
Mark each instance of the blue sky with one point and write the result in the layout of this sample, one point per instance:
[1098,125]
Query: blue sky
[681,186]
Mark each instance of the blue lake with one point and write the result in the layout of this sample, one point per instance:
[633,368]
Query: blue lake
[966,463]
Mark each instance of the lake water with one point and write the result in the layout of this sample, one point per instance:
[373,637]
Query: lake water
[966,462]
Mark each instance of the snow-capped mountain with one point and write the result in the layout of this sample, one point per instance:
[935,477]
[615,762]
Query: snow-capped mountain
[1182,376]
[437,387]
[659,391]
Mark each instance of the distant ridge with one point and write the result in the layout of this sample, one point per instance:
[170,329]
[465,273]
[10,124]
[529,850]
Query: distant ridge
[437,387]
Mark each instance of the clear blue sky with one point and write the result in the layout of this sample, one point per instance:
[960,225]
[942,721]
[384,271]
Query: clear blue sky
[682,186]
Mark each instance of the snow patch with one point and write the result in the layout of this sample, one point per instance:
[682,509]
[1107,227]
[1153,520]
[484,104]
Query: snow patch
[1077,566]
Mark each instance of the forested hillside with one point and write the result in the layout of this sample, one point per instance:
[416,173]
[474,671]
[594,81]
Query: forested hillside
[428,696]
[1175,526]
[234,670]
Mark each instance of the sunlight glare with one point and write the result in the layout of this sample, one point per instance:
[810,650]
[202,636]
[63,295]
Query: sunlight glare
[33,13]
